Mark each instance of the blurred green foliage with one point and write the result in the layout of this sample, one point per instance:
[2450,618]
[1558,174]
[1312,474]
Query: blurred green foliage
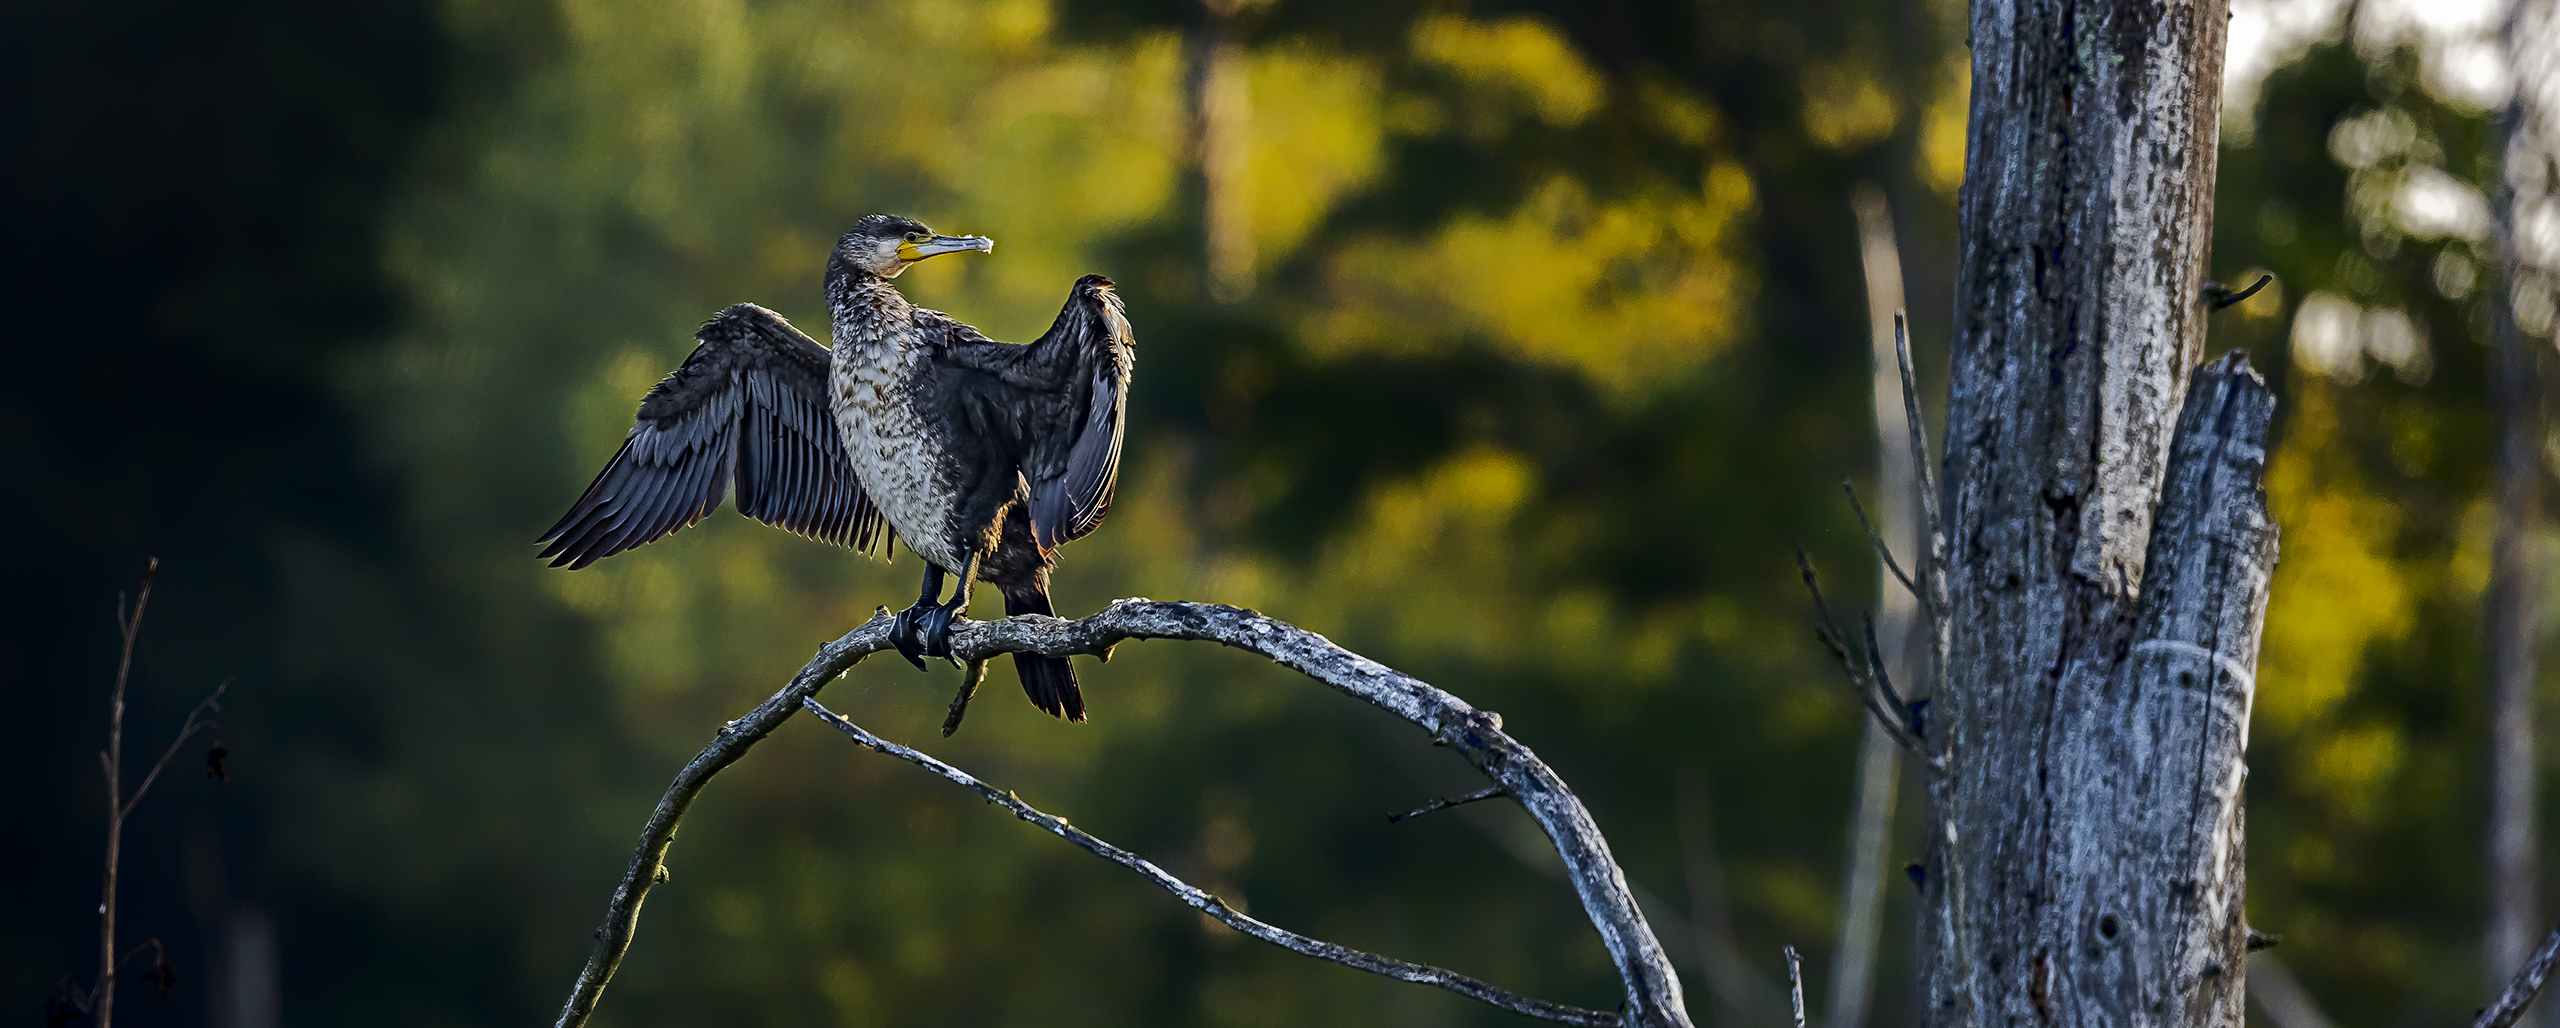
[1512,345]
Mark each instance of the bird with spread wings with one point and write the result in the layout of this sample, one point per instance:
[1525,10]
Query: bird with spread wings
[982,457]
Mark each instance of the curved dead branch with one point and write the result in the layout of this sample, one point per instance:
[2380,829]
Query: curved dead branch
[2523,987]
[1361,960]
[1653,995]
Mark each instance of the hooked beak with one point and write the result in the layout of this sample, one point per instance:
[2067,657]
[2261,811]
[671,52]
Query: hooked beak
[940,245]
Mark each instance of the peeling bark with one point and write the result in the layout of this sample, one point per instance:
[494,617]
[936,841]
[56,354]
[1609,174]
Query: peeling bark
[2108,556]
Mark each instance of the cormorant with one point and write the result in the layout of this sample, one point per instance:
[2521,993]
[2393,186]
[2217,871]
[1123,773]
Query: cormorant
[984,457]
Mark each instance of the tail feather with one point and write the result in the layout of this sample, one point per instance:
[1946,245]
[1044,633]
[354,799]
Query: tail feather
[1049,681]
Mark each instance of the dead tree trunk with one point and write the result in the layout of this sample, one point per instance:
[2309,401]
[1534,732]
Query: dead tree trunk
[2106,554]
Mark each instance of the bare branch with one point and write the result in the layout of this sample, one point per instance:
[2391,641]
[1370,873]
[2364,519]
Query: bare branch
[1883,552]
[648,863]
[1795,984]
[102,992]
[970,677]
[1446,802]
[1932,563]
[1884,679]
[2218,296]
[196,722]
[1878,698]
[2522,988]
[159,954]
[1653,995]
[1419,974]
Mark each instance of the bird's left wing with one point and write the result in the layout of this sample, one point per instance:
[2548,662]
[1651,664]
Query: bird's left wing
[749,405]
[1068,390]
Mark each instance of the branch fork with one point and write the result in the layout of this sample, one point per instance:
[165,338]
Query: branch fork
[1864,665]
[1653,997]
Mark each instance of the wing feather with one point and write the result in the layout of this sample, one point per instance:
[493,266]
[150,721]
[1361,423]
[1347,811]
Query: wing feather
[1063,397]
[748,409]
[1071,490]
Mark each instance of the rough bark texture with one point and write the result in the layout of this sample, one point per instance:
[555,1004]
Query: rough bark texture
[2520,991]
[1653,996]
[2086,864]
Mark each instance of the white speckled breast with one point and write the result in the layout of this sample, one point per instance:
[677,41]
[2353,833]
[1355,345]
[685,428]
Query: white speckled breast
[887,432]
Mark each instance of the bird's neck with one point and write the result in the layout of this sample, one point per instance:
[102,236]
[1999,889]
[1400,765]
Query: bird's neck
[864,306]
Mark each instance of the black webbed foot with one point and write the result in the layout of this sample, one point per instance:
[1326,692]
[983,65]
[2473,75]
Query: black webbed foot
[934,624]
[906,634]
[910,634]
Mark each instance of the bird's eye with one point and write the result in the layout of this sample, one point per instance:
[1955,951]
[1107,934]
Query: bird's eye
[918,237]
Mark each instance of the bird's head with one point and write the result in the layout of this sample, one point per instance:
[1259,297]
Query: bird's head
[885,245]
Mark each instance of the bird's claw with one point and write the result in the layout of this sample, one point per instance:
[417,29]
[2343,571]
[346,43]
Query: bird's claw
[903,633]
[935,626]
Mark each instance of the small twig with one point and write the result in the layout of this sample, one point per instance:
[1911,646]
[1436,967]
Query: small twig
[1878,699]
[1930,568]
[970,676]
[1422,974]
[1486,793]
[1884,679]
[1883,552]
[196,722]
[159,955]
[2522,988]
[102,993]
[2218,296]
[1795,984]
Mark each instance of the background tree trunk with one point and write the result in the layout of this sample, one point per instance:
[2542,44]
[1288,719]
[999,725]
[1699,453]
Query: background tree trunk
[1863,874]
[2514,915]
[2086,865]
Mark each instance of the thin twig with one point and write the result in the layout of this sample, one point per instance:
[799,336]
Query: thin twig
[1444,802]
[1653,995]
[1883,551]
[970,677]
[1931,566]
[2218,296]
[2522,988]
[196,722]
[1420,974]
[1884,679]
[1878,700]
[1795,984]
[159,954]
[102,993]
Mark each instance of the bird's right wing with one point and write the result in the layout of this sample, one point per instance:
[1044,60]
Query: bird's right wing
[1065,392]
[749,405]
[1074,469]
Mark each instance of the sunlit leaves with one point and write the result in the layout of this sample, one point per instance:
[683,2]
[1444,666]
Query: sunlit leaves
[2345,592]
[653,164]
[1845,106]
[1513,61]
[1620,290]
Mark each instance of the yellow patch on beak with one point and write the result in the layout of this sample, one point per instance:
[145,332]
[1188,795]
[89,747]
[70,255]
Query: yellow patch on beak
[939,245]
